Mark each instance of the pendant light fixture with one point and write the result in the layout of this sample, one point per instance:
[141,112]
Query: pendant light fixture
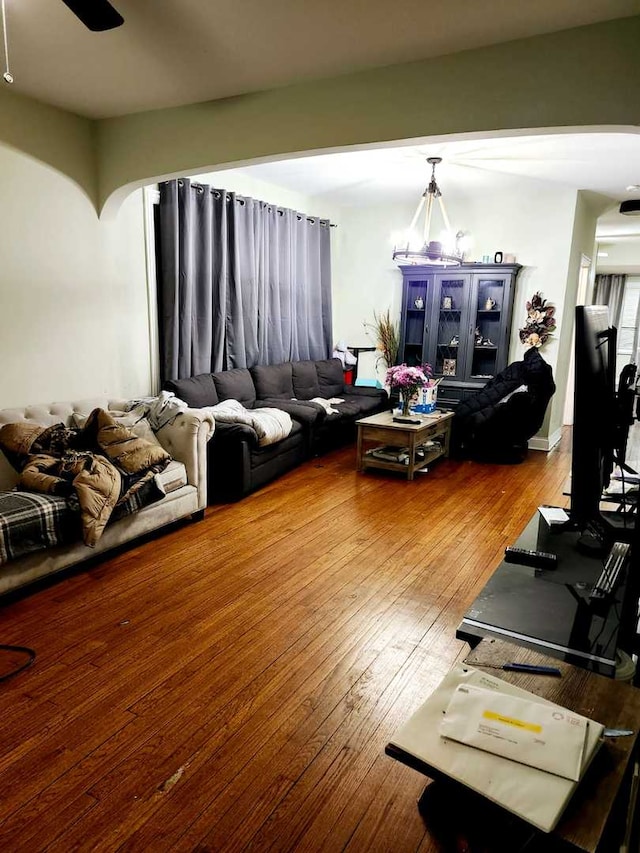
[418,248]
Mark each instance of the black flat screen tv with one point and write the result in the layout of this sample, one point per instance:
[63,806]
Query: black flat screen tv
[594,420]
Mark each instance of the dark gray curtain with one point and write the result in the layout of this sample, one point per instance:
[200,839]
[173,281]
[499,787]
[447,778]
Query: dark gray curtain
[609,290]
[240,282]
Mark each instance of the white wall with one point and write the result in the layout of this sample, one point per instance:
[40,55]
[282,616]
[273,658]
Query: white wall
[73,306]
[623,256]
[365,278]
[532,220]
[581,247]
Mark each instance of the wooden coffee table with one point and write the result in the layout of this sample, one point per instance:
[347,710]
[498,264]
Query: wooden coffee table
[382,431]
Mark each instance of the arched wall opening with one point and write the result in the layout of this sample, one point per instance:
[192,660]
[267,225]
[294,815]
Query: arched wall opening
[541,82]
[547,225]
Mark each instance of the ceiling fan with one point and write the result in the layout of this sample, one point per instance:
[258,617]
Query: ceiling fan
[97,15]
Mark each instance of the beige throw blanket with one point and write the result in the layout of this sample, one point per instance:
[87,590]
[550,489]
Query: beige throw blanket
[271,425]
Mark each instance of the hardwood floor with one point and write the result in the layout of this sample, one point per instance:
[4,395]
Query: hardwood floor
[232,684]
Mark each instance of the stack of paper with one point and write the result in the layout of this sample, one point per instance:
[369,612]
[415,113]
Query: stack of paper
[517,749]
[553,515]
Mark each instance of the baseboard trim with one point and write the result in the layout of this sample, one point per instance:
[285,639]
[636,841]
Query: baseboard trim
[546,444]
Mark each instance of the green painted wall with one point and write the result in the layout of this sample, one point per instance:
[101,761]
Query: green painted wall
[52,136]
[588,76]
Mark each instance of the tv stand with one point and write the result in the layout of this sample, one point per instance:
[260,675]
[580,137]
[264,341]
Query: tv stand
[552,612]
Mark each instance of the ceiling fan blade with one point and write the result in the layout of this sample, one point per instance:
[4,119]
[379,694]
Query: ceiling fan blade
[97,15]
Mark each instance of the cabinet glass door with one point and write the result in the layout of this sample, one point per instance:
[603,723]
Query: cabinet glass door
[488,299]
[415,321]
[450,311]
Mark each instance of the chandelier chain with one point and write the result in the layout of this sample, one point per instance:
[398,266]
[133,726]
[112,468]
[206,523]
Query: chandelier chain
[8,78]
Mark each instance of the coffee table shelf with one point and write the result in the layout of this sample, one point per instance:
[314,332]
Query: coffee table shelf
[382,430]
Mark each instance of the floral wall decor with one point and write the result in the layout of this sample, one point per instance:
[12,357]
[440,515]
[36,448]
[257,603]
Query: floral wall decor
[540,322]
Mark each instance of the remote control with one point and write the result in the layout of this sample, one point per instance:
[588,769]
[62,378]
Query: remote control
[525,557]
[399,419]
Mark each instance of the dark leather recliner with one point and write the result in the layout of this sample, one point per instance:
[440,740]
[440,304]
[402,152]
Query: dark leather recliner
[495,424]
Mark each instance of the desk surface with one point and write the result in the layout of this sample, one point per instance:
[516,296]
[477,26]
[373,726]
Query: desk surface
[612,703]
[550,610]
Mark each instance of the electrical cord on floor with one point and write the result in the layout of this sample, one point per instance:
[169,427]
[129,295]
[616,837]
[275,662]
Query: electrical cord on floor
[23,650]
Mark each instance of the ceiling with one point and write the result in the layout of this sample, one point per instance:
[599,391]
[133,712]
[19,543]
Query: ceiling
[603,163]
[172,52]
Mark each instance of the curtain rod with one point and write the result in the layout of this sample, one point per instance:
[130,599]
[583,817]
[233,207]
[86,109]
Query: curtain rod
[240,199]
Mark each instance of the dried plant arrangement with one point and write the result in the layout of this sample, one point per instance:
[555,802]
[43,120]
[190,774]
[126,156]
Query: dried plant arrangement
[387,336]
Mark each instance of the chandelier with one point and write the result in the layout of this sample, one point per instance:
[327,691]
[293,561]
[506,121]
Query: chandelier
[449,250]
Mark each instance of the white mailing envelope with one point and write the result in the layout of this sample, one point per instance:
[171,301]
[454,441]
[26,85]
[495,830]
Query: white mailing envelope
[539,735]
[535,795]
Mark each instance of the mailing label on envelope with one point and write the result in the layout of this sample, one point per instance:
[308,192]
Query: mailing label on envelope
[543,736]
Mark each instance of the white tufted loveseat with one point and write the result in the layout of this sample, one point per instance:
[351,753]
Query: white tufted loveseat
[185,439]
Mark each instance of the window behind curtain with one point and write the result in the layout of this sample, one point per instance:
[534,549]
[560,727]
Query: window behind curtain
[240,282]
[628,325]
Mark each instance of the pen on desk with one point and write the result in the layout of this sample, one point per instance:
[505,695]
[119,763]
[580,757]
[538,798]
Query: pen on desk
[531,668]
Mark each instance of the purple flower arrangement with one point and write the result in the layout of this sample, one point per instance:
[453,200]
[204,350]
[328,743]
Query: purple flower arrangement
[409,380]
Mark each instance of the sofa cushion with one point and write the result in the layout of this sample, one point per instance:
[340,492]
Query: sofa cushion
[173,477]
[330,377]
[360,406]
[235,384]
[304,411]
[270,453]
[305,380]
[197,391]
[274,381]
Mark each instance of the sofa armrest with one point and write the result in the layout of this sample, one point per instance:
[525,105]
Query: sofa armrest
[185,438]
[232,433]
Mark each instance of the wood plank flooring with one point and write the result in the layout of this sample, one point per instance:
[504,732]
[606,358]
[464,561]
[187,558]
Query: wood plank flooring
[231,685]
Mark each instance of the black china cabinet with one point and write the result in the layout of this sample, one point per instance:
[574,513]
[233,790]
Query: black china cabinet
[458,319]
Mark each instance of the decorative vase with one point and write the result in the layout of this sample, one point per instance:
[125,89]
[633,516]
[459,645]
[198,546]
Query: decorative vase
[405,400]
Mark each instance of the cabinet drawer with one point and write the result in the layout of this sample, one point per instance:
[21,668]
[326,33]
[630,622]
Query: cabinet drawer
[448,397]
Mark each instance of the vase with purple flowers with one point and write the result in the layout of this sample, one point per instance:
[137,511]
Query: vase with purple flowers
[408,380]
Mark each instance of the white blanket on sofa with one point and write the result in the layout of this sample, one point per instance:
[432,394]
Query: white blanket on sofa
[271,425]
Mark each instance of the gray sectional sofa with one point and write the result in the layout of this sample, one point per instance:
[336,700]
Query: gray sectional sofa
[237,464]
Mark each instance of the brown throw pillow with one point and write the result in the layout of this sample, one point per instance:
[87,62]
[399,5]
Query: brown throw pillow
[129,452]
